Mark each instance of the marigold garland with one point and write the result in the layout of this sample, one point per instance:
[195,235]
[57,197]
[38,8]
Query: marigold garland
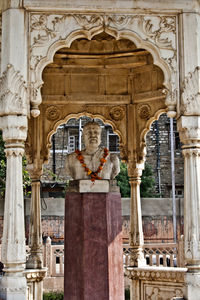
[93,175]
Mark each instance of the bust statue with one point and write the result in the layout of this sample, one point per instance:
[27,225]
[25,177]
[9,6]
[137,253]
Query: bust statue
[94,162]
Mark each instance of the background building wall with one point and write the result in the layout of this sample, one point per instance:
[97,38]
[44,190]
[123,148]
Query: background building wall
[156,216]
[159,157]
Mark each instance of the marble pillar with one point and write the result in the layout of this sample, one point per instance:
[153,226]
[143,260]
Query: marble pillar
[93,247]
[13,284]
[189,128]
[34,264]
[35,228]
[136,232]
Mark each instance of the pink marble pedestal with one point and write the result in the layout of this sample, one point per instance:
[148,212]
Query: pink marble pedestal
[93,247]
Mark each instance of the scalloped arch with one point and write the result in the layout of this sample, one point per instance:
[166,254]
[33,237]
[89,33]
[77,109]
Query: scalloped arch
[148,125]
[89,34]
[76,116]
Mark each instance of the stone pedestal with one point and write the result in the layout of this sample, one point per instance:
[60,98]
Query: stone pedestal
[93,247]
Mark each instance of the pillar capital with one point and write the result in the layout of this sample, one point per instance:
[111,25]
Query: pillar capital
[14,129]
[189,131]
[11,4]
[35,170]
[135,170]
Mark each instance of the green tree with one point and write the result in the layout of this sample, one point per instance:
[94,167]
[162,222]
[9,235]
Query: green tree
[147,182]
[123,181]
[147,187]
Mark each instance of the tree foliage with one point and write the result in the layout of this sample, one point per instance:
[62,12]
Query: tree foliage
[147,182]
[147,186]
[123,181]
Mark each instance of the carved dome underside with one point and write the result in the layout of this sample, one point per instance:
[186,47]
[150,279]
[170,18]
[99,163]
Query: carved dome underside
[102,66]
[100,44]
[102,51]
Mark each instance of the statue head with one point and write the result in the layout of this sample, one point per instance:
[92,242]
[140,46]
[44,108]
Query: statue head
[92,135]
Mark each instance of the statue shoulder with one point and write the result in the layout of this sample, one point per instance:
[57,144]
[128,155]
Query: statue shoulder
[116,165]
[114,157]
[73,154]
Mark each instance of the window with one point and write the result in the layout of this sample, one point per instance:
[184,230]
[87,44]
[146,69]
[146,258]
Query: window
[113,142]
[72,143]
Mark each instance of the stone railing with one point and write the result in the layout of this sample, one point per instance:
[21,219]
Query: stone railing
[165,255]
[164,264]
[162,277]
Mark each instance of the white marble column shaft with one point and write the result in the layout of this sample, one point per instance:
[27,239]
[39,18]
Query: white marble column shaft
[189,129]
[13,284]
[136,231]
[192,207]
[35,232]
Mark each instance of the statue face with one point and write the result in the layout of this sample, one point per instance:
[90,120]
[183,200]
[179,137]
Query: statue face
[92,136]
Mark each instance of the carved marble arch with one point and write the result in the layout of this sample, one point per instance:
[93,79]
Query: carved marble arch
[135,28]
[55,126]
[147,128]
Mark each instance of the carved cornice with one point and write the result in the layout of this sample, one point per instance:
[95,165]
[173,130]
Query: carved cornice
[35,275]
[191,93]
[191,152]
[13,93]
[14,152]
[159,30]
[49,32]
[156,274]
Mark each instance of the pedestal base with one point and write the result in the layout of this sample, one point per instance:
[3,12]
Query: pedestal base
[192,281]
[93,247]
[13,288]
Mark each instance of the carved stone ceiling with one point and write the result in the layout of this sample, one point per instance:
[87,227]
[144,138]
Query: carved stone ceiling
[102,51]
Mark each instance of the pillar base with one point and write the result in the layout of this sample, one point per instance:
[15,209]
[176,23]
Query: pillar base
[192,281]
[13,288]
[137,257]
[93,247]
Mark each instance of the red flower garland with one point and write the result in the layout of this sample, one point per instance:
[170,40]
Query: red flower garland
[93,175]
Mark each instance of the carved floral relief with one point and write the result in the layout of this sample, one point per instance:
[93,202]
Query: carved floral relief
[190,98]
[144,111]
[117,113]
[13,93]
[162,293]
[48,33]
